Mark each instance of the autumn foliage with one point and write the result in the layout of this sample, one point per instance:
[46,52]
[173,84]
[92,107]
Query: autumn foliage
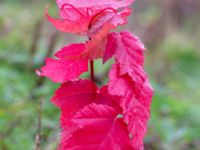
[115,116]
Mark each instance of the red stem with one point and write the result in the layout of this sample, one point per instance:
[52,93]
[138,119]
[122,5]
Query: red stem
[92,70]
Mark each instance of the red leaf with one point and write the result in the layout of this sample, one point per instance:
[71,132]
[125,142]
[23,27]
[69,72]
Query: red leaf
[77,15]
[70,52]
[72,96]
[69,65]
[111,46]
[94,47]
[126,47]
[91,116]
[101,24]
[107,16]
[129,80]
[96,4]
[128,51]
[135,101]
[99,128]
[78,26]
[105,98]
[74,93]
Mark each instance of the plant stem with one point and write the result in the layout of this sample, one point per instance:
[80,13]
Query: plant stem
[38,136]
[92,70]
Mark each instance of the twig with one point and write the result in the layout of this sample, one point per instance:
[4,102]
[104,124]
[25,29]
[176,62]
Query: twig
[39,130]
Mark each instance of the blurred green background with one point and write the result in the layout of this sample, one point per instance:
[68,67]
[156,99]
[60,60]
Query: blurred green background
[170,30]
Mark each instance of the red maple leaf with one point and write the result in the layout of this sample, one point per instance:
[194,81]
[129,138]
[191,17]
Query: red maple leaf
[68,66]
[101,25]
[99,129]
[128,80]
[128,52]
[77,15]
[91,115]
[126,47]
[135,101]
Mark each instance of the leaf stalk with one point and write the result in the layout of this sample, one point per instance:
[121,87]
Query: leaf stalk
[92,70]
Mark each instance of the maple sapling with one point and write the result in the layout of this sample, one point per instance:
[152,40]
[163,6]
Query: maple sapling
[114,116]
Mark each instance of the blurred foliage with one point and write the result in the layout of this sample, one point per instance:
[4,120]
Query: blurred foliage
[170,31]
